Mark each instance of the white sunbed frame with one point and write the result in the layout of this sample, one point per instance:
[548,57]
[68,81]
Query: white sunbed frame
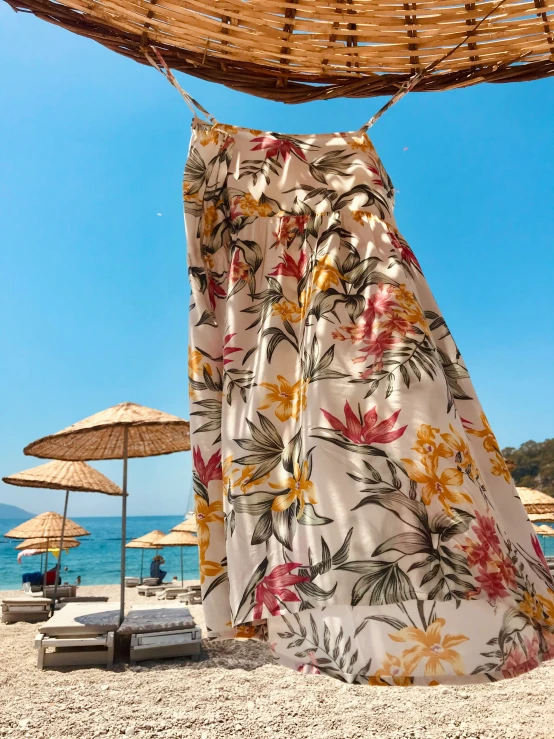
[29,609]
[70,650]
[163,644]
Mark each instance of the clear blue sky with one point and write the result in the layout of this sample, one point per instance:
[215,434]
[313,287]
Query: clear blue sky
[94,289]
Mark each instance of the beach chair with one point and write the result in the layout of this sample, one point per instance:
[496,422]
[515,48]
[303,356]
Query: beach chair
[150,581]
[25,608]
[63,591]
[79,634]
[132,582]
[150,590]
[85,599]
[161,631]
[192,596]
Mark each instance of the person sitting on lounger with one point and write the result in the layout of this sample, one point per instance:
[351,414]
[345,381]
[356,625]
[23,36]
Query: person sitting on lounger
[155,568]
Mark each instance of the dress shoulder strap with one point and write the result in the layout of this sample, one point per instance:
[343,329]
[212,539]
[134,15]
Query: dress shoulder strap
[162,67]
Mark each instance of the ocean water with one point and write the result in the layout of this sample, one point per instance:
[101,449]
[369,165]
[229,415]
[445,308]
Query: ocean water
[98,558]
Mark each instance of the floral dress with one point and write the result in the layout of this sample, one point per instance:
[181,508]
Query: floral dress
[353,506]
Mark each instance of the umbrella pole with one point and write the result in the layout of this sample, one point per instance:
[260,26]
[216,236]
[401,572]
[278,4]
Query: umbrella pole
[182,578]
[141,563]
[45,569]
[123,523]
[58,566]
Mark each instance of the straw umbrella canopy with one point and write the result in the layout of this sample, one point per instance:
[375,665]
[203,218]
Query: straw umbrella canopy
[148,541]
[123,431]
[48,526]
[189,524]
[179,539]
[295,52]
[535,501]
[541,517]
[68,476]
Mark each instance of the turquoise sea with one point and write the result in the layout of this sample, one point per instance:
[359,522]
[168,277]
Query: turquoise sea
[97,560]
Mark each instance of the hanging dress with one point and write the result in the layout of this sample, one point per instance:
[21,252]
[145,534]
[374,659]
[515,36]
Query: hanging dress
[353,506]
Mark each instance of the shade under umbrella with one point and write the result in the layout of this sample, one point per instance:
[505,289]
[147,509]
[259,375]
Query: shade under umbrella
[43,544]
[46,526]
[535,501]
[63,475]
[189,524]
[123,431]
[179,539]
[148,541]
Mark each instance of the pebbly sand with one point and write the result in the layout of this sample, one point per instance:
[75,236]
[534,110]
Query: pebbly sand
[235,691]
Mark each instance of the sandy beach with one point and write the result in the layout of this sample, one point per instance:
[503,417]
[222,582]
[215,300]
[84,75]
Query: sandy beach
[236,691]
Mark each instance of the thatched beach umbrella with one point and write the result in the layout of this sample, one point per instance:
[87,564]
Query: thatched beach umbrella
[123,431]
[42,544]
[541,517]
[535,501]
[48,527]
[68,476]
[543,530]
[189,524]
[179,539]
[148,541]
[293,52]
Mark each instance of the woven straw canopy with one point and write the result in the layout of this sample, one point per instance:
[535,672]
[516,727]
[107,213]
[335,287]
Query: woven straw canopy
[535,501]
[40,544]
[189,524]
[541,517]
[100,436]
[46,526]
[135,544]
[152,538]
[58,475]
[297,50]
[179,539]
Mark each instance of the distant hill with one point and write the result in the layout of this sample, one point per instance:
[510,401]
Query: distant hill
[532,465]
[12,511]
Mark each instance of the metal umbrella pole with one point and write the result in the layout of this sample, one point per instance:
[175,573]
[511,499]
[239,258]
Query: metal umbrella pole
[182,577]
[123,523]
[58,566]
[45,568]
[141,563]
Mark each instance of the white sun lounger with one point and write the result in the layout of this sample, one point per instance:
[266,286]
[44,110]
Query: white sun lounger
[161,631]
[79,634]
[25,608]
[150,590]
[132,582]
[63,591]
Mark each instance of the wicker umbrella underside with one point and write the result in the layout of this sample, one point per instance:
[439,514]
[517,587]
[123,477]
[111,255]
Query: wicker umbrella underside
[60,475]
[535,501]
[544,530]
[43,544]
[189,524]
[46,526]
[296,51]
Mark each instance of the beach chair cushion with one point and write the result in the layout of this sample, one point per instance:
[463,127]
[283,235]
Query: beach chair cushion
[26,601]
[145,619]
[75,619]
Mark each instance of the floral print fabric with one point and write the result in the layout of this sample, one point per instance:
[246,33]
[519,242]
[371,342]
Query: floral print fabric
[352,503]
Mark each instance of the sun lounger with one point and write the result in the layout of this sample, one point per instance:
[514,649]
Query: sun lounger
[150,590]
[85,599]
[25,608]
[79,634]
[161,631]
[132,582]
[150,581]
[191,596]
[63,591]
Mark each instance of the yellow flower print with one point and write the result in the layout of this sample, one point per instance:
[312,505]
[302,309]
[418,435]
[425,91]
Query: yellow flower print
[436,484]
[250,206]
[288,311]
[227,472]
[208,136]
[548,608]
[305,301]
[227,128]
[210,219]
[432,647]
[291,399]
[197,363]
[209,569]
[325,273]
[205,515]
[187,195]
[394,668]
[531,607]
[499,467]
[362,143]
[244,480]
[426,444]
[300,489]
[404,296]
[362,216]
[486,433]
[459,445]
